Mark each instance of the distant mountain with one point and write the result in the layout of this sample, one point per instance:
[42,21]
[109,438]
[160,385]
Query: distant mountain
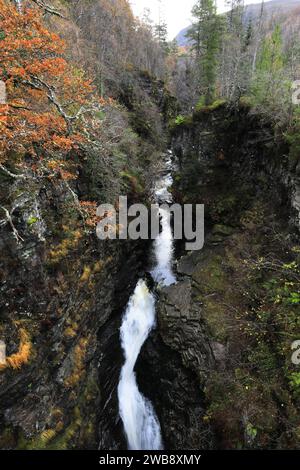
[181,39]
[252,11]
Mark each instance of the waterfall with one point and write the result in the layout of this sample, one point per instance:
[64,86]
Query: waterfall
[163,249]
[140,422]
[163,245]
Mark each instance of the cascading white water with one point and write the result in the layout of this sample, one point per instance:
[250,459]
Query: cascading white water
[140,422]
[163,245]
[163,249]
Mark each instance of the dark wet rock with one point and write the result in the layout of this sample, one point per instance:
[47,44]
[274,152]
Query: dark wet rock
[230,162]
[236,155]
[186,265]
[181,328]
[174,364]
[177,396]
[67,290]
[220,353]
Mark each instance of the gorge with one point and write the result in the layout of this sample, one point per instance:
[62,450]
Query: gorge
[137,344]
[140,422]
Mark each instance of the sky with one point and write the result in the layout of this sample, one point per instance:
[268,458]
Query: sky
[176,12]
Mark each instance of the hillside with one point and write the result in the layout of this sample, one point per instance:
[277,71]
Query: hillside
[273,8]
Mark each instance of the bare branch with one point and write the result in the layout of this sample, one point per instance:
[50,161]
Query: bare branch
[75,198]
[12,175]
[39,84]
[49,9]
[10,222]
[16,106]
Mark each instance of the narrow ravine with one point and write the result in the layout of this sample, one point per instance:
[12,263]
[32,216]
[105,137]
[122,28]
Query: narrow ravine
[140,422]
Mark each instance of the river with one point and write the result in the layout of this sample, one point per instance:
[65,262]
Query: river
[141,425]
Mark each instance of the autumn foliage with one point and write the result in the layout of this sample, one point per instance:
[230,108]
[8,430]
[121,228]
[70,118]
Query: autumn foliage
[16,360]
[47,97]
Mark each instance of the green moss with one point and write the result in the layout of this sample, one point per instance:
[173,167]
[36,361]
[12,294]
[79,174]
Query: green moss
[245,103]
[100,115]
[216,317]
[222,229]
[263,359]
[217,104]
[248,286]
[210,275]
[32,220]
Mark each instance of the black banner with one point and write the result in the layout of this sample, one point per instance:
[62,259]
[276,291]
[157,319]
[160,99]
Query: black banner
[131,460]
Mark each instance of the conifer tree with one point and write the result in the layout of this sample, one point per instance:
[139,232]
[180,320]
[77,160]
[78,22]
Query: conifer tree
[269,67]
[205,34]
[161,31]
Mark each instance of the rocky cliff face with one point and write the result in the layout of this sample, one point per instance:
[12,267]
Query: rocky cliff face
[218,369]
[174,365]
[62,295]
[63,291]
[226,147]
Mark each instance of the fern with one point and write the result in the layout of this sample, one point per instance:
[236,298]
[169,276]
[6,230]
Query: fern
[16,360]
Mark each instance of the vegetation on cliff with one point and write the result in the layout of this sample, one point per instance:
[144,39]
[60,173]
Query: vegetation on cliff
[92,97]
[247,278]
[83,120]
[245,60]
